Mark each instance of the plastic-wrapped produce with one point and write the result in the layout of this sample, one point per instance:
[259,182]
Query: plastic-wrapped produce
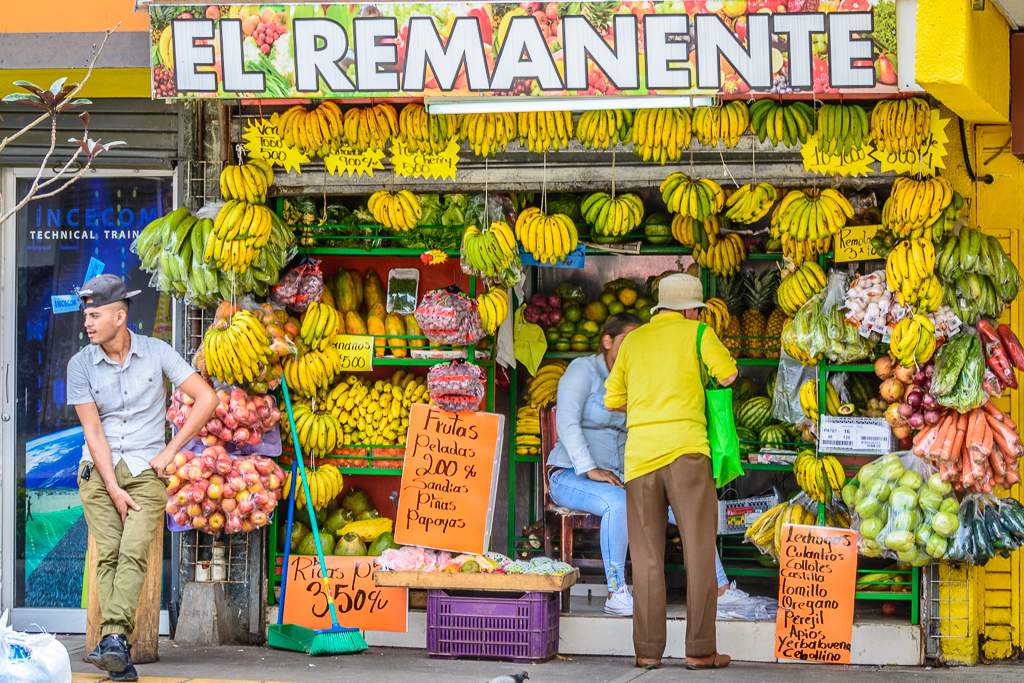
[299,287]
[456,387]
[447,316]
[819,329]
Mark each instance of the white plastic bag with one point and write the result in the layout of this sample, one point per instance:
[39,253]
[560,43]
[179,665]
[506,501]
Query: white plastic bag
[32,657]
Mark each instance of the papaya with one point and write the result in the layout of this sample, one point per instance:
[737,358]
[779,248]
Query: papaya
[369,529]
[357,502]
[377,310]
[354,324]
[395,327]
[375,326]
[384,541]
[412,328]
[349,545]
[373,290]
[357,285]
[327,296]
[341,324]
[308,544]
[345,293]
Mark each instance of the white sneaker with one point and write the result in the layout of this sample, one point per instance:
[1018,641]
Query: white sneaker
[619,603]
[731,595]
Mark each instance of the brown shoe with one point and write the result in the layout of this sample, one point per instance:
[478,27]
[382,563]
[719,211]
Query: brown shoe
[715,661]
[647,663]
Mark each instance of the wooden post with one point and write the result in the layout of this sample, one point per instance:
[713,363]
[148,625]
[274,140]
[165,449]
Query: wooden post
[145,645]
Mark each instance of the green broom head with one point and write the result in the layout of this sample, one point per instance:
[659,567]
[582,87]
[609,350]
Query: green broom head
[337,641]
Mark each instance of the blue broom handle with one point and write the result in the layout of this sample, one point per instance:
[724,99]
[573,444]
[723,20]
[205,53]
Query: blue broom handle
[288,541]
[309,503]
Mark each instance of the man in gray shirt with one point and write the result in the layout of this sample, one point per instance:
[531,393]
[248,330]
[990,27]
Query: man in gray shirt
[118,387]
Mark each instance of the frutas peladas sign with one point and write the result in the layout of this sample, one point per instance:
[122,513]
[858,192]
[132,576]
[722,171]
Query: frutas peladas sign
[439,49]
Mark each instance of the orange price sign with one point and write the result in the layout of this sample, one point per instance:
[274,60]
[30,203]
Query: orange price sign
[817,579]
[448,479]
[357,599]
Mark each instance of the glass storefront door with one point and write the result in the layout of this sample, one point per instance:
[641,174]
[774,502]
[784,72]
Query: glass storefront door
[61,242]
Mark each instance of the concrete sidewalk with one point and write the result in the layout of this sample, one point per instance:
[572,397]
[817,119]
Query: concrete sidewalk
[393,665]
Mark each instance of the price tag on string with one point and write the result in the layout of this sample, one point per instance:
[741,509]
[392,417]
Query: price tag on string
[359,602]
[356,352]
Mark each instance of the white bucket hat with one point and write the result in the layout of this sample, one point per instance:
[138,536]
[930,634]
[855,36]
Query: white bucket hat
[679,292]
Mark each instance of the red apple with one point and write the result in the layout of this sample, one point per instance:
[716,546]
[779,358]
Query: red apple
[248,526]
[229,504]
[214,492]
[194,509]
[264,465]
[198,522]
[172,508]
[216,521]
[259,518]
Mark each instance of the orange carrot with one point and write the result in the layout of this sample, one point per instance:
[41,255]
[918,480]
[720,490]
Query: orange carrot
[958,438]
[995,461]
[941,436]
[966,471]
[991,409]
[924,440]
[1008,435]
[972,428]
[1012,477]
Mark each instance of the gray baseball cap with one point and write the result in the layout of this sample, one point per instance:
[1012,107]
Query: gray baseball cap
[105,289]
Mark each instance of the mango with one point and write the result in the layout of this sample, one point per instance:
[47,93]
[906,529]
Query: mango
[395,327]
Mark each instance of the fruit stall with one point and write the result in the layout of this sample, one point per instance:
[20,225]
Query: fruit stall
[840,268]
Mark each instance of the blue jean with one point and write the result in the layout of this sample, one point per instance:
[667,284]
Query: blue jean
[579,492]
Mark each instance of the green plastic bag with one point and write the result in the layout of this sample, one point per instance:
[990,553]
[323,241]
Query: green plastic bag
[725,444]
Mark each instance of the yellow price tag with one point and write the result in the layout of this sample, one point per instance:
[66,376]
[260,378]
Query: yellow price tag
[817,160]
[854,244]
[927,160]
[356,352]
[263,142]
[348,160]
[424,164]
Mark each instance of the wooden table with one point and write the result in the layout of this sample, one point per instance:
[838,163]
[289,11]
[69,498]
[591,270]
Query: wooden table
[477,582]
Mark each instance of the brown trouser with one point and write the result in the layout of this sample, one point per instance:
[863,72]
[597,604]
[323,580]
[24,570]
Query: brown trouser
[688,486]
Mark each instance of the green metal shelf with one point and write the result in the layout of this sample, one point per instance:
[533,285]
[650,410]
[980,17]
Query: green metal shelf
[567,355]
[757,362]
[774,256]
[767,467]
[359,251]
[395,472]
[848,368]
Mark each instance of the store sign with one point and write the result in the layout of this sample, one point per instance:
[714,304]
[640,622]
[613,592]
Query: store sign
[508,49]
[359,602]
[449,478]
[854,244]
[817,579]
[355,351]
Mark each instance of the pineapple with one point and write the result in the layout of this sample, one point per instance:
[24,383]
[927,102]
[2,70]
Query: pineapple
[773,331]
[759,291]
[730,291]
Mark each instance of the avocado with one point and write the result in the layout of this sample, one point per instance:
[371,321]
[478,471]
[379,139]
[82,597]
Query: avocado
[383,542]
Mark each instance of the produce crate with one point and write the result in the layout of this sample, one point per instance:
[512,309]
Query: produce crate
[517,627]
[734,516]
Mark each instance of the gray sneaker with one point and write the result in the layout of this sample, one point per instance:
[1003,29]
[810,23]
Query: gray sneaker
[111,654]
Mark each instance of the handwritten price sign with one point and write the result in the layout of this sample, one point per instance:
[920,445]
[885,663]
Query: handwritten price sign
[448,479]
[927,160]
[817,578]
[356,352]
[359,601]
[264,142]
[820,160]
[347,160]
[412,164]
[854,244]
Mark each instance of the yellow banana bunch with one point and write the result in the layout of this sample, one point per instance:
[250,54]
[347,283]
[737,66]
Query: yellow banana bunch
[909,271]
[698,199]
[528,431]
[545,131]
[612,217]
[396,210]
[694,233]
[247,182]
[660,135]
[492,252]
[235,350]
[240,230]
[809,400]
[325,482]
[319,433]
[794,291]
[493,307]
[899,126]
[767,530]
[750,203]
[318,132]
[913,340]
[802,251]
[319,325]
[370,128]
[727,123]
[722,257]
[602,128]
[542,388]
[549,238]
[424,132]
[488,133]
[790,343]
[822,478]
[312,371]
[377,414]
[716,316]
[811,214]
[916,205]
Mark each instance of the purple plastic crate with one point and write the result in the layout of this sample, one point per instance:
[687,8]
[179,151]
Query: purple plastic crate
[519,627]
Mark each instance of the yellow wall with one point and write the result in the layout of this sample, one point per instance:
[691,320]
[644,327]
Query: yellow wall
[963,58]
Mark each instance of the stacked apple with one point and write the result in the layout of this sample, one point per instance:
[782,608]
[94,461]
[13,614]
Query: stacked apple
[212,492]
[241,418]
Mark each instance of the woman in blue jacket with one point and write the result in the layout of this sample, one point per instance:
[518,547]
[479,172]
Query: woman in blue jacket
[587,462]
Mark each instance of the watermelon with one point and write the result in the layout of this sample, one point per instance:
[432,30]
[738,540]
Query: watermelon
[769,384]
[748,440]
[756,413]
[744,388]
[860,389]
[774,436]
[658,228]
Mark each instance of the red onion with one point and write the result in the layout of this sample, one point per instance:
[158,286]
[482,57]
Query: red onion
[539,300]
[532,313]
[914,397]
[555,316]
[555,301]
[928,402]
[927,386]
[916,421]
[929,370]
[545,320]
[932,417]
[906,410]
[919,376]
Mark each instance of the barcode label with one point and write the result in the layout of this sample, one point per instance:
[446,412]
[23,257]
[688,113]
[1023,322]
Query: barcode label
[878,439]
[848,444]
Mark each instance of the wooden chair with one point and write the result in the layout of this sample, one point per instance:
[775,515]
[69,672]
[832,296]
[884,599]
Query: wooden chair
[567,521]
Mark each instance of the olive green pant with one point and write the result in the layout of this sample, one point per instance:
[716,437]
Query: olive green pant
[122,550]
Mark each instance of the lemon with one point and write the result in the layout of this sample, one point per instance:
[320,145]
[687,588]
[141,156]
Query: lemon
[777,60]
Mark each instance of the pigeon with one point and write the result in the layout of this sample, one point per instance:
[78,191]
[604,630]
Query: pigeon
[514,678]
